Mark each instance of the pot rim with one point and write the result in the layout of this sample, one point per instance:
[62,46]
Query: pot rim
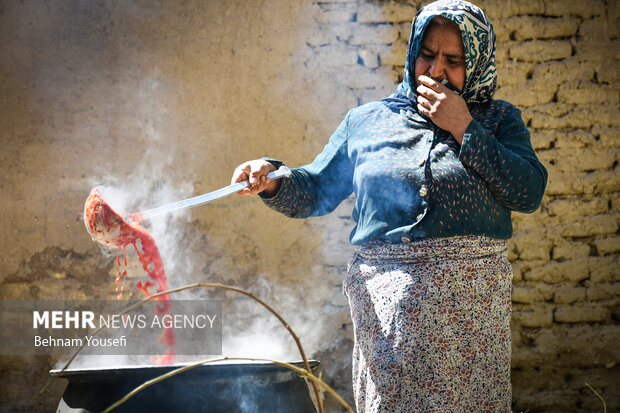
[216,365]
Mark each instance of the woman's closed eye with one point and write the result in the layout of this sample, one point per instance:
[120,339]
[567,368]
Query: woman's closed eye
[453,62]
[427,55]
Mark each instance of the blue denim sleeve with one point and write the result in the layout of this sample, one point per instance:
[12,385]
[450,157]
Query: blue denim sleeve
[318,188]
[506,162]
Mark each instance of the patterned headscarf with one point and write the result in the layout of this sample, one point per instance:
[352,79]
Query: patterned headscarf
[478,44]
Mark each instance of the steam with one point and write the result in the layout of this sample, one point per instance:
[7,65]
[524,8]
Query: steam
[150,182]
[251,331]
[154,180]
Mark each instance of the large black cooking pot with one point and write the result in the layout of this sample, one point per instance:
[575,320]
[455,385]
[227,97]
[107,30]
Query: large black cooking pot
[223,387]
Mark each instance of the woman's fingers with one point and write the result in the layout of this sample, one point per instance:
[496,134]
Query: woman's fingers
[242,174]
[424,105]
[422,110]
[262,184]
[239,174]
[256,175]
[255,172]
[428,92]
[446,110]
[423,100]
[431,83]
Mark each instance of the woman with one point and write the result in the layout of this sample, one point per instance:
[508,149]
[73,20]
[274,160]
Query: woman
[437,169]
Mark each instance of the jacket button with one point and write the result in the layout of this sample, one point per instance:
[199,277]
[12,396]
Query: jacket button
[423,191]
[405,239]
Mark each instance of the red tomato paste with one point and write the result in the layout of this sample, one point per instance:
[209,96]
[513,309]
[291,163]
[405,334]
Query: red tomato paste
[109,228]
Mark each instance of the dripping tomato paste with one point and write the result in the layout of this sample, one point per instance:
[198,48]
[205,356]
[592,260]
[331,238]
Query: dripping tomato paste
[110,229]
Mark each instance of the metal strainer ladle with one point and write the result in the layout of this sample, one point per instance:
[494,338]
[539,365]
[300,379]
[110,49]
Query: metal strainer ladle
[113,229]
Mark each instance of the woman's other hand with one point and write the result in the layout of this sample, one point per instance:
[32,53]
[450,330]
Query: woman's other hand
[444,107]
[255,171]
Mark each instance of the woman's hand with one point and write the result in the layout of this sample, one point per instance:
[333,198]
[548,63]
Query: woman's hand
[255,171]
[444,107]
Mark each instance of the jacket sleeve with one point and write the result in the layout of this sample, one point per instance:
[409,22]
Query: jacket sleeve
[318,188]
[506,162]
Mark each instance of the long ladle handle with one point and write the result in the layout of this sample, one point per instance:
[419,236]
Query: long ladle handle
[211,196]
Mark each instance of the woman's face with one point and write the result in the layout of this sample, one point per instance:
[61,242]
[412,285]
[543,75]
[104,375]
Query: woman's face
[441,56]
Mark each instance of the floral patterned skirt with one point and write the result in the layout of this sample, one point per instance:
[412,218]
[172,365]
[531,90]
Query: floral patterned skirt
[432,325]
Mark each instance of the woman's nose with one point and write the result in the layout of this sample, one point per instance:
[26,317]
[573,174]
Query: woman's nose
[437,69]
